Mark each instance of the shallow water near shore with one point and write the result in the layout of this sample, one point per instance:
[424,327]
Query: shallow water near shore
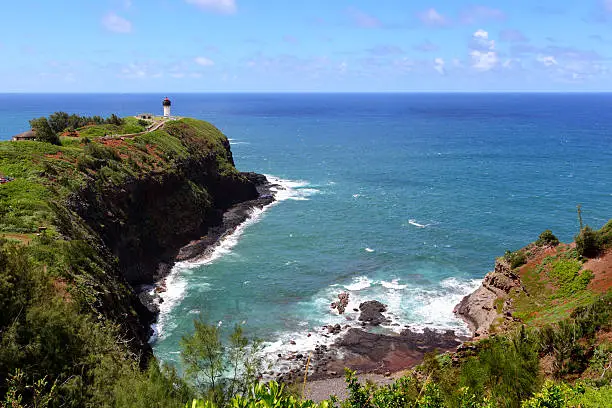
[402,198]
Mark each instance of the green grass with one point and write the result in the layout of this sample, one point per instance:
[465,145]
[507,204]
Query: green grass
[130,125]
[45,173]
[554,288]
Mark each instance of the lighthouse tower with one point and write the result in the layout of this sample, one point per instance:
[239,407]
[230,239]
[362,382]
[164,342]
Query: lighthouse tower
[167,105]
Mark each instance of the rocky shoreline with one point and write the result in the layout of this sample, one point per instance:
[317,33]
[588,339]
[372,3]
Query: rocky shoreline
[490,303]
[359,348]
[203,247]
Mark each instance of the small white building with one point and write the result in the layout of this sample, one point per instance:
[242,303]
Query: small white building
[166,103]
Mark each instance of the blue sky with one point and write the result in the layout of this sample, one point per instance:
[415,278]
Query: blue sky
[312,45]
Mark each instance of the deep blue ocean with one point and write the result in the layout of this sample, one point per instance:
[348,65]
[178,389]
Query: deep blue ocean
[402,198]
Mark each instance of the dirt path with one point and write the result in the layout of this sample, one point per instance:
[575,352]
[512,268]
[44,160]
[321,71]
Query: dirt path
[155,127]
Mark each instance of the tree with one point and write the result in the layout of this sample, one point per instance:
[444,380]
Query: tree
[44,132]
[202,353]
[114,120]
[58,121]
[220,372]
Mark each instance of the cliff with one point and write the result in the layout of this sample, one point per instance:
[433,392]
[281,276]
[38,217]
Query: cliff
[491,301]
[116,211]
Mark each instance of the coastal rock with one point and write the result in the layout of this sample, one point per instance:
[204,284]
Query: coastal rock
[373,352]
[342,303]
[371,312]
[478,309]
[149,301]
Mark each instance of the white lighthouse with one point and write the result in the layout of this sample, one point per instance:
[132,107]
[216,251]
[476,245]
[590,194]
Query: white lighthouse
[166,103]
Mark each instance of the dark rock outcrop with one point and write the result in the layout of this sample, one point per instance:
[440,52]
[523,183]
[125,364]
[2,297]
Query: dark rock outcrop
[371,313]
[376,353]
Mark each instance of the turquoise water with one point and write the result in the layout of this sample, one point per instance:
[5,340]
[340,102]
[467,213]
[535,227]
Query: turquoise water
[403,198]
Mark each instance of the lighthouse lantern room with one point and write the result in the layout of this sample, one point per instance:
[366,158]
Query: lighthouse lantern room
[166,103]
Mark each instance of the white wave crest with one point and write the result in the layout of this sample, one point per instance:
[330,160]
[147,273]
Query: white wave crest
[359,283]
[394,284]
[435,307]
[416,224]
[290,190]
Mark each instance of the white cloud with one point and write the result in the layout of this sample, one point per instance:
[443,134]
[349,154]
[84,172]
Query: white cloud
[547,60]
[139,71]
[203,61]
[482,51]
[431,17]
[216,6]
[439,66]
[116,24]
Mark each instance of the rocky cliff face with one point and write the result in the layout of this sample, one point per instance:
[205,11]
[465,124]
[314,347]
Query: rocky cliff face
[146,221]
[490,302]
[143,201]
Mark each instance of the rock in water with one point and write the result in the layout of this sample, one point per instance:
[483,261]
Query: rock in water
[371,312]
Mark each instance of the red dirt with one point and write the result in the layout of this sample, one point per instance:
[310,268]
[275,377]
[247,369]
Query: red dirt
[60,157]
[20,237]
[602,269]
[60,285]
[57,155]
[111,142]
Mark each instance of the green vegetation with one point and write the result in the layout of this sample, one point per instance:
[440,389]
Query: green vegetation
[218,371]
[568,277]
[61,121]
[547,238]
[555,287]
[124,126]
[43,131]
[49,129]
[590,243]
[516,258]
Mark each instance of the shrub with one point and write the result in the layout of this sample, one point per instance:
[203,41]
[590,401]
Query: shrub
[516,258]
[588,243]
[547,238]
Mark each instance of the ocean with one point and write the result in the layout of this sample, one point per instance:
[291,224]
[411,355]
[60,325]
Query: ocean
[402,198]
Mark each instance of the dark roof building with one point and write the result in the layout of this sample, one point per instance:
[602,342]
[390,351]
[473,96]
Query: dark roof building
[27,135]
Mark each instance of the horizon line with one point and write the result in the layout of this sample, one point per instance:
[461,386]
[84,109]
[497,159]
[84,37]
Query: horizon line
[301,92]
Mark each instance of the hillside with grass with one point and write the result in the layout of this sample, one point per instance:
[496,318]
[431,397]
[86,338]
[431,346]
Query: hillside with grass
[82,222]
